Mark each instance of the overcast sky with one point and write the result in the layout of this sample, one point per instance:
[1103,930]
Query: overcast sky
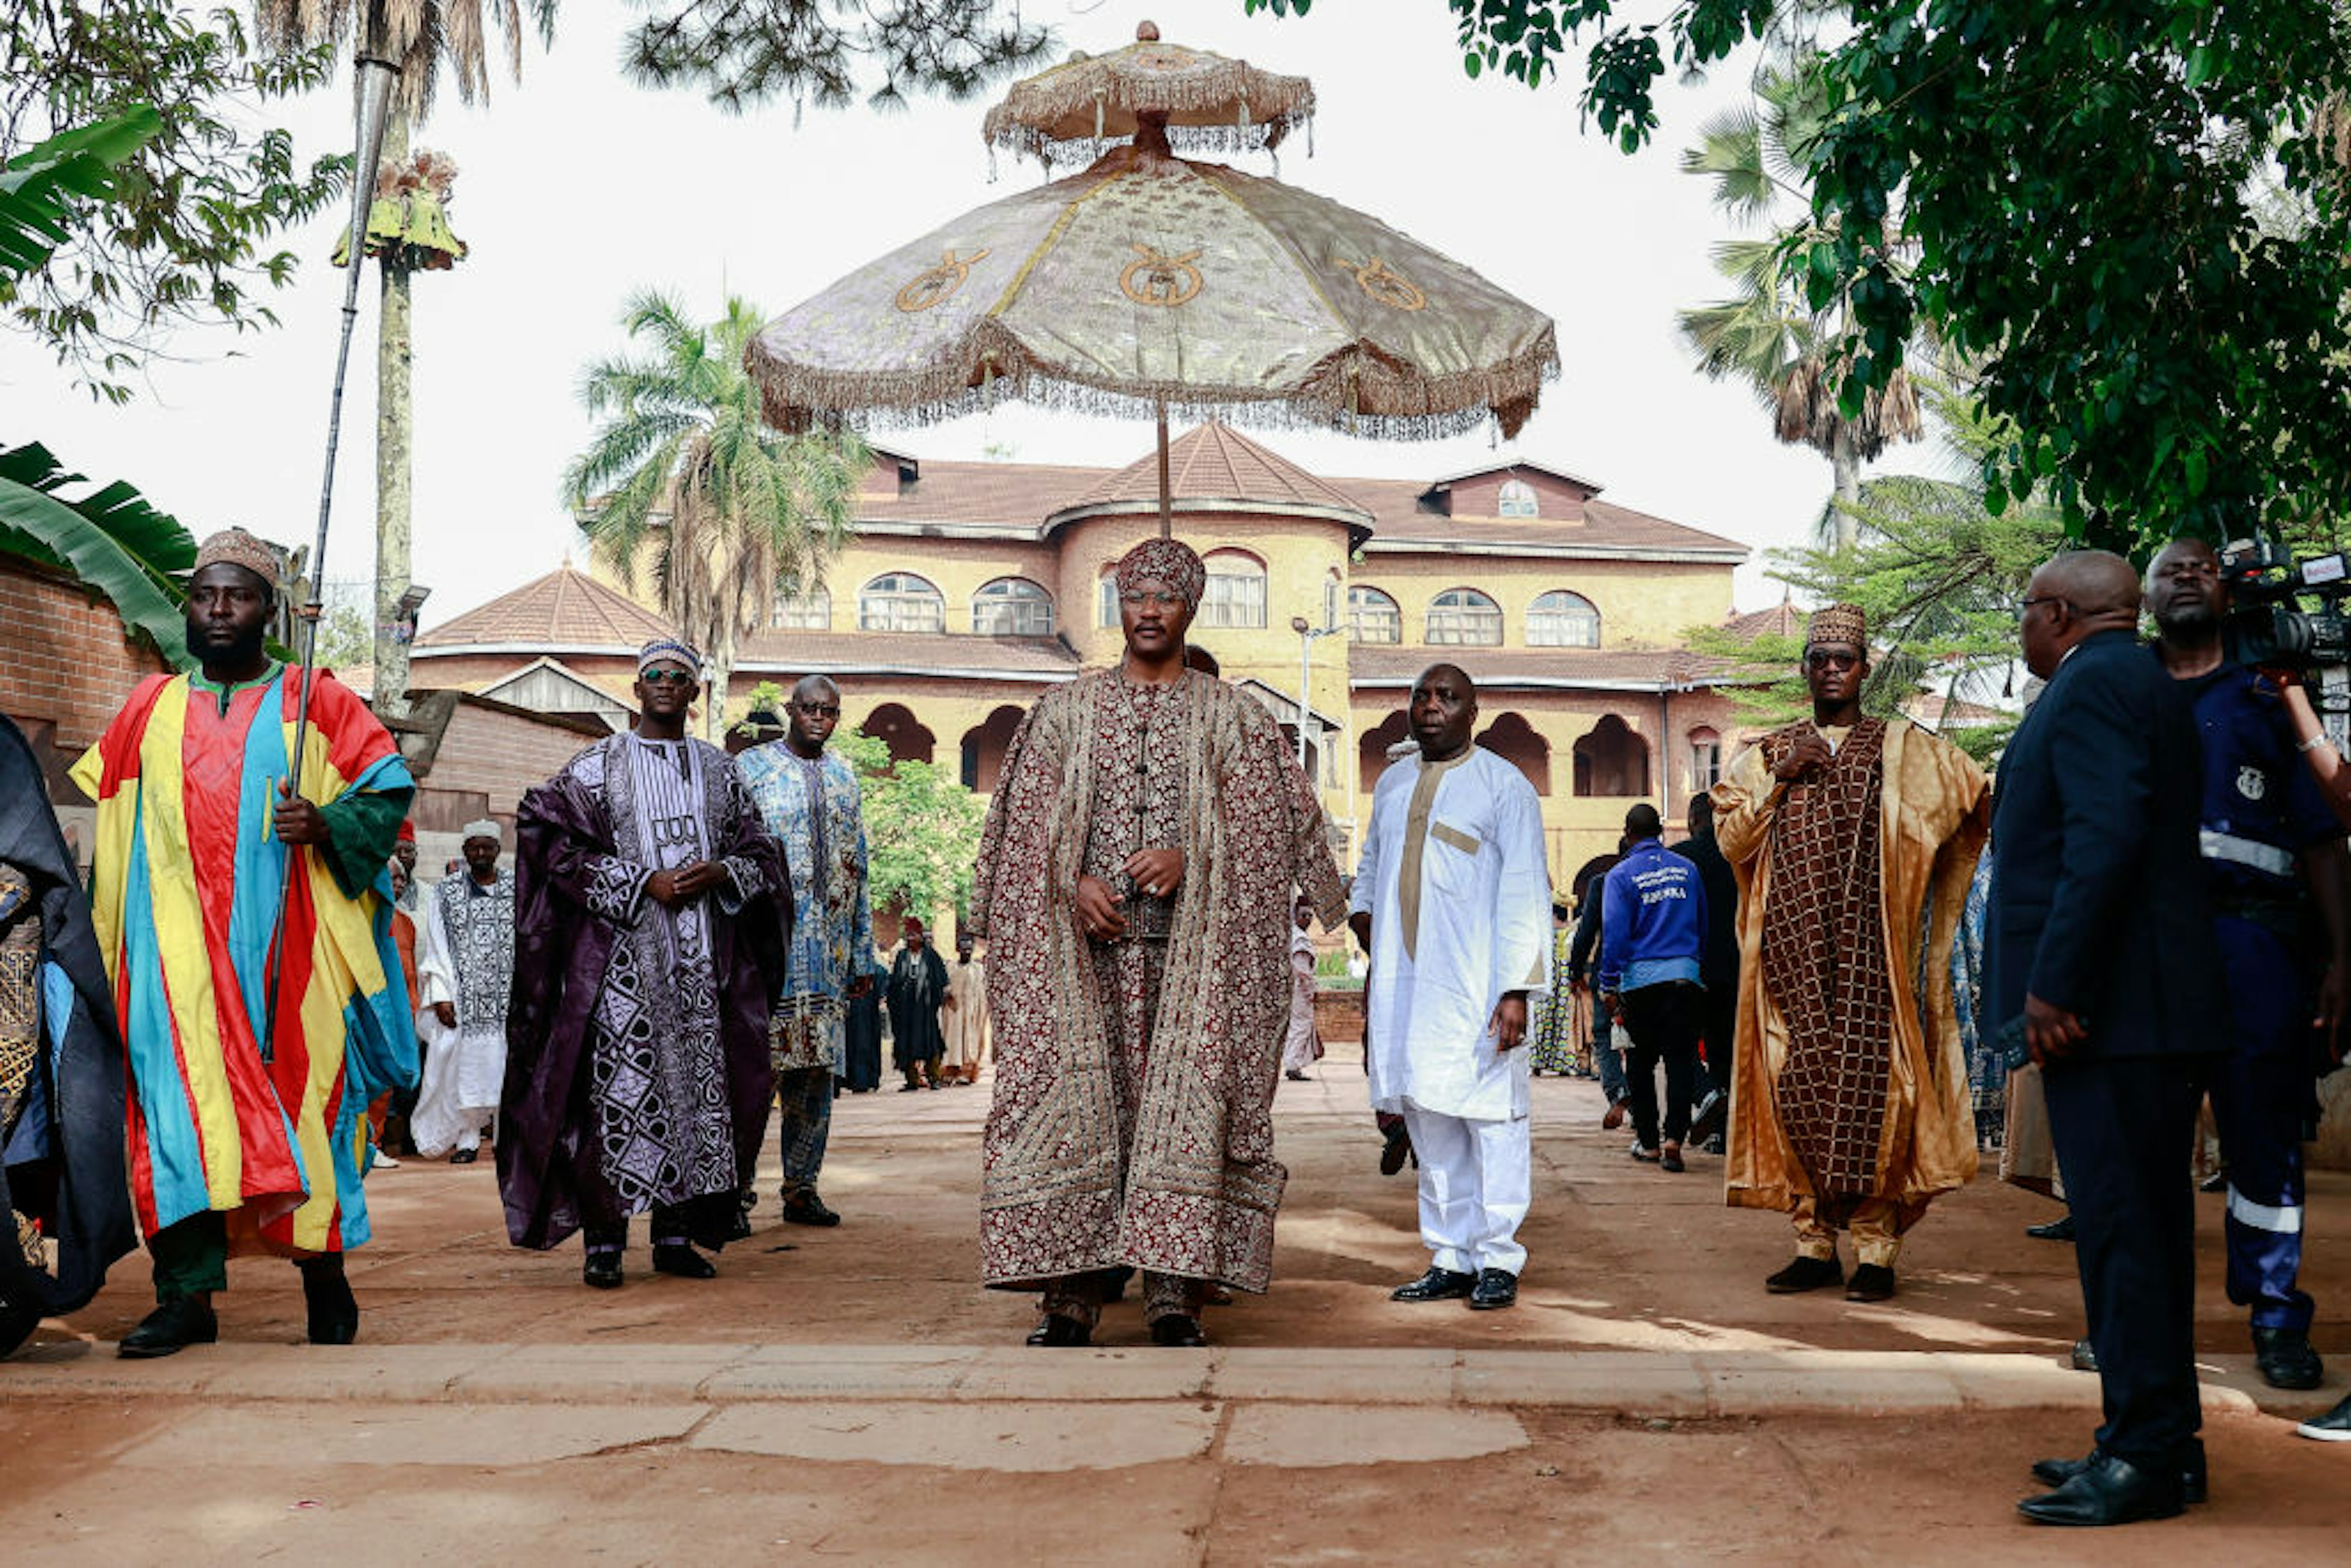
[578,187]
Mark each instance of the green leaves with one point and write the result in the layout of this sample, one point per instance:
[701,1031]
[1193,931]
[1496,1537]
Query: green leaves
[113,540]
[37,186]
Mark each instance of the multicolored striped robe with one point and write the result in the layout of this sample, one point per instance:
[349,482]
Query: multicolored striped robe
[190,878]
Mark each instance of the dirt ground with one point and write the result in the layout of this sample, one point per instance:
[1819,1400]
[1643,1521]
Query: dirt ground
[1623,1257]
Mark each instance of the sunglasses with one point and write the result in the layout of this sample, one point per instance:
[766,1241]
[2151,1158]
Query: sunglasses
[1830,659]
[658,676]
[818,710]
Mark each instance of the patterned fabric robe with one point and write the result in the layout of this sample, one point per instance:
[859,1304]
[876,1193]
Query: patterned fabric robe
[1551,1018]
[467,959]
[815,813]
[189,882]
[1898,1127]
[637,1066]
[1131,1121]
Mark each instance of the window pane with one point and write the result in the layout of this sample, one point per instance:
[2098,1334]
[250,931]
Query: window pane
[803,612]
[1109,607]
[901,602]
[1234,600]
[1464,618]
[1562,620]
[1373,617]
[1012,607]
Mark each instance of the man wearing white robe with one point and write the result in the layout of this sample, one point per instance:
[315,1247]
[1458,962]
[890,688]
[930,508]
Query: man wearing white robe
[1453,900]
[464,964]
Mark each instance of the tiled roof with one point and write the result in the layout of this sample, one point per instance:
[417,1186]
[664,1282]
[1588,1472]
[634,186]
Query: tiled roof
[942,654]
[1016,495]
[1782,619]
[1216,462]
[1600,669]
[565,609]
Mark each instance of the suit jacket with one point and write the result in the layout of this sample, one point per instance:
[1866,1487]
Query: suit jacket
[2097,887]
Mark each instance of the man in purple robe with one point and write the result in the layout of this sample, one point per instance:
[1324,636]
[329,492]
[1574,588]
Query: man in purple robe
[647,955]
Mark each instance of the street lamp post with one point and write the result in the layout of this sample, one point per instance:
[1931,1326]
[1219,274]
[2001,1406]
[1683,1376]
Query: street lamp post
[1306,635]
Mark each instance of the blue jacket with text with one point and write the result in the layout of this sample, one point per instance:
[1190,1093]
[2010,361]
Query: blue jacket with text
[1652,919]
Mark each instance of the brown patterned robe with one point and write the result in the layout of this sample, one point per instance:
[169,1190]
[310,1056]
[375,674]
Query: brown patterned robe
[1850,1075]
[1132,1120]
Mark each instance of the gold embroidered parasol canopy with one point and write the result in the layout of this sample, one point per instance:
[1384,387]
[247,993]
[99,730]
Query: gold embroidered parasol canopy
[1150,282]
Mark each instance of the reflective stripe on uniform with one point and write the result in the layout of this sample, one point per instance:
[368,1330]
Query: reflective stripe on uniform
[2245,852]
[2284,1220]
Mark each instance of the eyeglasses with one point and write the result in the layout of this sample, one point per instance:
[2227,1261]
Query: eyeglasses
[1152,601]
[1830,659]
[657,677]
[817,710]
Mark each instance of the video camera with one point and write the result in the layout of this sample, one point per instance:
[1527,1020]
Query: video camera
[2268,625]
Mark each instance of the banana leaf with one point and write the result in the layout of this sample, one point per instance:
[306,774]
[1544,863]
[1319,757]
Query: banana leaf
[116,542]
[39,186]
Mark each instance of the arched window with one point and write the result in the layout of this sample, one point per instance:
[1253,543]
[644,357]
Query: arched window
[1705,758]
[1236,591]
[1518,743]
[809,611]
[1518,500]
[1012,607]
[1612,760]
[1331,600]
[1107,597]
[901,602]
[1562,620]
[1373,617]
[1464,618]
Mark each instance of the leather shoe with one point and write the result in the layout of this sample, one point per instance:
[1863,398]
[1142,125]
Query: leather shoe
[2058,1230]
[334,1315]
[682,1261]
[1436,1285]
[1669,1157]
[2107,1490]
[1870,1282]
[803,1206]
[465,1157]
[1615,1116]
[2285,1360]
[171,1328]
[1496,1289]
[2195,1482]
[2335,1427]
[1179,1330]
[602,1271]
[1806,1274]
[1061,1332]
[2085,1356]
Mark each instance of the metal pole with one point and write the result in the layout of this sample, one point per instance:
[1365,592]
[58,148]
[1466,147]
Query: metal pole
[1167,520]
[376,72]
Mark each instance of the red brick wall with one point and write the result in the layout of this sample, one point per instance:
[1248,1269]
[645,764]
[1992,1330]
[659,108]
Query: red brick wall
[1479,496]
[486,753]
[64,661]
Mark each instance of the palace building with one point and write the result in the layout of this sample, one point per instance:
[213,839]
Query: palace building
[971,587]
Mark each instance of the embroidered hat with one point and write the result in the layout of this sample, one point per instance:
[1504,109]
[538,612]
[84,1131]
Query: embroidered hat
[1171,561]
[234,547]
[1846,624]
[407,835]
[671,649]
[482,828]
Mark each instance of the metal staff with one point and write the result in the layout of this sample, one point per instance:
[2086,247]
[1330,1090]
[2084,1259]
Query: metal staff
[376,75]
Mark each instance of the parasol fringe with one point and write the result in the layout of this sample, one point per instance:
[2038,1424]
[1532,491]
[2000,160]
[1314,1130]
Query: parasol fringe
[1043,116]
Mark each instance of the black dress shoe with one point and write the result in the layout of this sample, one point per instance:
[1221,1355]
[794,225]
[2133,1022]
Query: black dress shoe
[602,1271]
[2107,1490]
[2195,1482]
[1870,1282]
[1436,1285]
[804,1208]
[2285,1360]
[1061,1332]
[683,1261]
[1179,1330]
[1806,1274]
[1496,1289]
[1669,1157]
[465,1157]
[334,1315]
[171,1328]
[2084,1356]
[2058,1230]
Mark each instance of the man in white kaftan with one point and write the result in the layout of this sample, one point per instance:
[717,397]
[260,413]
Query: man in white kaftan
[465,974]
[1453,900]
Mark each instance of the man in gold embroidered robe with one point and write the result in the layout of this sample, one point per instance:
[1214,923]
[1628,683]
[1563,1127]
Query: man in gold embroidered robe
[1134,888]
[1853,839]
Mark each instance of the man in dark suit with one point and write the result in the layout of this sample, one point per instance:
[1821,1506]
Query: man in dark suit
[2099,946]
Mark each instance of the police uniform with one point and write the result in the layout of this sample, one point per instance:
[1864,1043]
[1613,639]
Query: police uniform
[2261,810]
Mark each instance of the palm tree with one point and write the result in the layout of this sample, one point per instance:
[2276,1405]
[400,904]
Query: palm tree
[1767,334]
[682,468]
[424,37]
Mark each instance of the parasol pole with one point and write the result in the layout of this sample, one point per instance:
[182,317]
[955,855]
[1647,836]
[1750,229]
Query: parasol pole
[376,71]
[1167,522]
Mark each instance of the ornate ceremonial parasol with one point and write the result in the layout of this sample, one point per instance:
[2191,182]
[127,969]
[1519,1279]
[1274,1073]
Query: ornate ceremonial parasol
[1150,282]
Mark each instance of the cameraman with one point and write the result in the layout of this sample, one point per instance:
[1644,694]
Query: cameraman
[2273,849]
[2311,739]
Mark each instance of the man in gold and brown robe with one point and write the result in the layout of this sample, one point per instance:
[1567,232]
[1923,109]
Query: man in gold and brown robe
[1853,839]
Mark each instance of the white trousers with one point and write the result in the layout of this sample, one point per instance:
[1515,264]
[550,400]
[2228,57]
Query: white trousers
[1477,1180]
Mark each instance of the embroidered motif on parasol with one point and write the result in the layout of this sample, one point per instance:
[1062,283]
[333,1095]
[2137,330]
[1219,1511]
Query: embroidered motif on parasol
[1211,104]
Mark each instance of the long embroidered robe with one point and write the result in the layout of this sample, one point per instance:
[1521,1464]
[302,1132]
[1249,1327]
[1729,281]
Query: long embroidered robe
[964,1017]
[1131,1121]
[189,881]
[465,958]
[815,813]
[1846,1123]
[637,1064]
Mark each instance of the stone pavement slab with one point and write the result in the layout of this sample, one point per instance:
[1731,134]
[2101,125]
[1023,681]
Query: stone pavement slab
[1638,1383]
[302,1437]
[1008,1436]
[1315,1436]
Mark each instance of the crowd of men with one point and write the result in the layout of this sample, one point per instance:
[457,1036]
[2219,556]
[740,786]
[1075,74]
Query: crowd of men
[683,951]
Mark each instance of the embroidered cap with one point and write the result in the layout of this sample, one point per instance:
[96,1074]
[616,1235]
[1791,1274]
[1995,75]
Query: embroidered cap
[482,828]
[1171,561]
[671,650]
[234,547]
[1846,624]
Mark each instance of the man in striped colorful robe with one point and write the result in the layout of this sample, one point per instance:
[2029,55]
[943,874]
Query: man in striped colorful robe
[247,1117]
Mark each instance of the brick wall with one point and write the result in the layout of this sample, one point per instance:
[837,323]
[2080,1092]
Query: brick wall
[494,754]
[65,666]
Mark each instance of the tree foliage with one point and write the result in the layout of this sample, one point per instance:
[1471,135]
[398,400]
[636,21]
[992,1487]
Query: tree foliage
[189,236]
[743,52]
[2083,202]
[683,472]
